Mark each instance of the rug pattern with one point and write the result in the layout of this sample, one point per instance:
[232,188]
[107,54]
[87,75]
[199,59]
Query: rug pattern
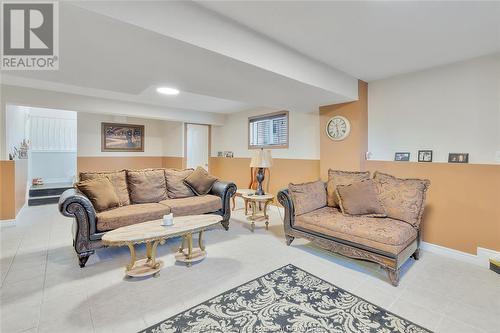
[287,299]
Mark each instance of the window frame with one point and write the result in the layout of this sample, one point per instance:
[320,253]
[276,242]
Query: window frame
[266,116]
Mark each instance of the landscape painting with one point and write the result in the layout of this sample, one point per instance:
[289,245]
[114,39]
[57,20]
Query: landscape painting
[122,137]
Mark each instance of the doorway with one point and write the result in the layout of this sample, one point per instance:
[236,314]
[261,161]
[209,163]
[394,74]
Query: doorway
[197,145]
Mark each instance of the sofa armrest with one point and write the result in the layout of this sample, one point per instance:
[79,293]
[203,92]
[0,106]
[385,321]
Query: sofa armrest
[74,203]
[286,201]
[224,190]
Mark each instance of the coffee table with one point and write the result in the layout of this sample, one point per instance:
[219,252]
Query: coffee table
[255,201]
[153,233]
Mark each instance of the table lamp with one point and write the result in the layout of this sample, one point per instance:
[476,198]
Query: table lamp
[262,159]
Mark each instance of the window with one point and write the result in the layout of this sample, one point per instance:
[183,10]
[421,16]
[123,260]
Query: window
[268,131]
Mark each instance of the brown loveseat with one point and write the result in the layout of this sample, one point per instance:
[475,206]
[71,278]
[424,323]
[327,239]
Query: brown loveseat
[388,241]
[143,195]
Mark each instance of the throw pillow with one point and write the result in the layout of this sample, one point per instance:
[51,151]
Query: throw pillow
[200,181]
[307,197]
[100,192]
[338,177]
[147,186]
[403,199]
[175,183]
[360,198]
[117,178]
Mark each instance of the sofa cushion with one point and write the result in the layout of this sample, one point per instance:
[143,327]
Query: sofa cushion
[307,196]
[147,186]
[403,199]
[132,214]
[200,181]
[384,234]
[117,178]
[338,177]
[100,192]
[360,198]
[193,205]
[175,183]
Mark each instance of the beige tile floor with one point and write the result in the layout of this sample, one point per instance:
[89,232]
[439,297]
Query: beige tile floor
[43,289]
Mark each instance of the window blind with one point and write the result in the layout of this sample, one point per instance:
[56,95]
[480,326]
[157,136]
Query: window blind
[268,131]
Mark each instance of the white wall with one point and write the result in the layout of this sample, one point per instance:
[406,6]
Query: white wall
[162,138]
[453,108]
[16,120]
[303,135]
[53,145]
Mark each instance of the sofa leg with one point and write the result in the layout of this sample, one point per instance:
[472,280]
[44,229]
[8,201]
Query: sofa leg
[416,254]
[83,257]
[289,239]
[393,275]
[225,224]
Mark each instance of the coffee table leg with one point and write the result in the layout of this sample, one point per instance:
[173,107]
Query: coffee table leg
[200,241]
[190,248]
[153,254]
[181,247]
[132,256]
[148,250]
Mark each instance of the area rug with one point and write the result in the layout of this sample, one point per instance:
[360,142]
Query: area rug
[287,299]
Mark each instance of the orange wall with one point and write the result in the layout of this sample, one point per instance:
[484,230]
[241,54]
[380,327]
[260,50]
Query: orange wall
[13,184]
[348,154]
[110,163]
[463,202]
[282,172]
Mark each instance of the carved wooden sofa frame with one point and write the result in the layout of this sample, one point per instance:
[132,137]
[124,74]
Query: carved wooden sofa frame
[387,261]
[86,237]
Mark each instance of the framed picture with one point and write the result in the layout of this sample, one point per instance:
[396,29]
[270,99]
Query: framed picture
[122,137]
[458,158]
[402,157]
[425,155]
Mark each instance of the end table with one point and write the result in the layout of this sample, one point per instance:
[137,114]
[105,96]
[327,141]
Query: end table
[254,201]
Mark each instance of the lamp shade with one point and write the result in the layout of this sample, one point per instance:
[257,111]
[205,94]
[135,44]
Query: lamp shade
[262,159]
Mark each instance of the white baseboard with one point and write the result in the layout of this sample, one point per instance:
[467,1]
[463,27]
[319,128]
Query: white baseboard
[481,258]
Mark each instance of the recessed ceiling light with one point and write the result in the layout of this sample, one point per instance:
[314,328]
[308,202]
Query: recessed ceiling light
[167,91]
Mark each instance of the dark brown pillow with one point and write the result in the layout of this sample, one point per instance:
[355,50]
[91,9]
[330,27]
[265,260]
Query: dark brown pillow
[200,181]
[117,178]
[360,198]
[175,183]
[100,192]
[147,186]
[339,177]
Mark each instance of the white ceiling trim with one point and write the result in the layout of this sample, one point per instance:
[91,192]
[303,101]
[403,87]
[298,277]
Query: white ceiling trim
[28,92]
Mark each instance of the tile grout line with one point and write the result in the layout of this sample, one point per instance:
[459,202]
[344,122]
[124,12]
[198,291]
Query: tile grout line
[44,276]
[12,261]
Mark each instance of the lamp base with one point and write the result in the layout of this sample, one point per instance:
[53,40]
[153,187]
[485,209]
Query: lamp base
[260,179]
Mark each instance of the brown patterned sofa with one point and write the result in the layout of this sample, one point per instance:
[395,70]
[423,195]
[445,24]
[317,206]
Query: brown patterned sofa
[388,241]
[142,195]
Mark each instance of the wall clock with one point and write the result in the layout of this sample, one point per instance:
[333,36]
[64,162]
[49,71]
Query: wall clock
[338,128]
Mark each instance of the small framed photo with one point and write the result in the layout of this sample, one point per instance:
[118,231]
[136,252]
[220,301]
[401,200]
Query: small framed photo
[229,154]
[402,157]
[425,155]
[458,158]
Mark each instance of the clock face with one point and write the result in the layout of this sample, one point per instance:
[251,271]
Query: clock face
[338,128]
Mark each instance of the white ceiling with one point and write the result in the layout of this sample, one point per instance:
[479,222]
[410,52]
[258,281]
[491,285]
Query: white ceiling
[232,56]
[374,39]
